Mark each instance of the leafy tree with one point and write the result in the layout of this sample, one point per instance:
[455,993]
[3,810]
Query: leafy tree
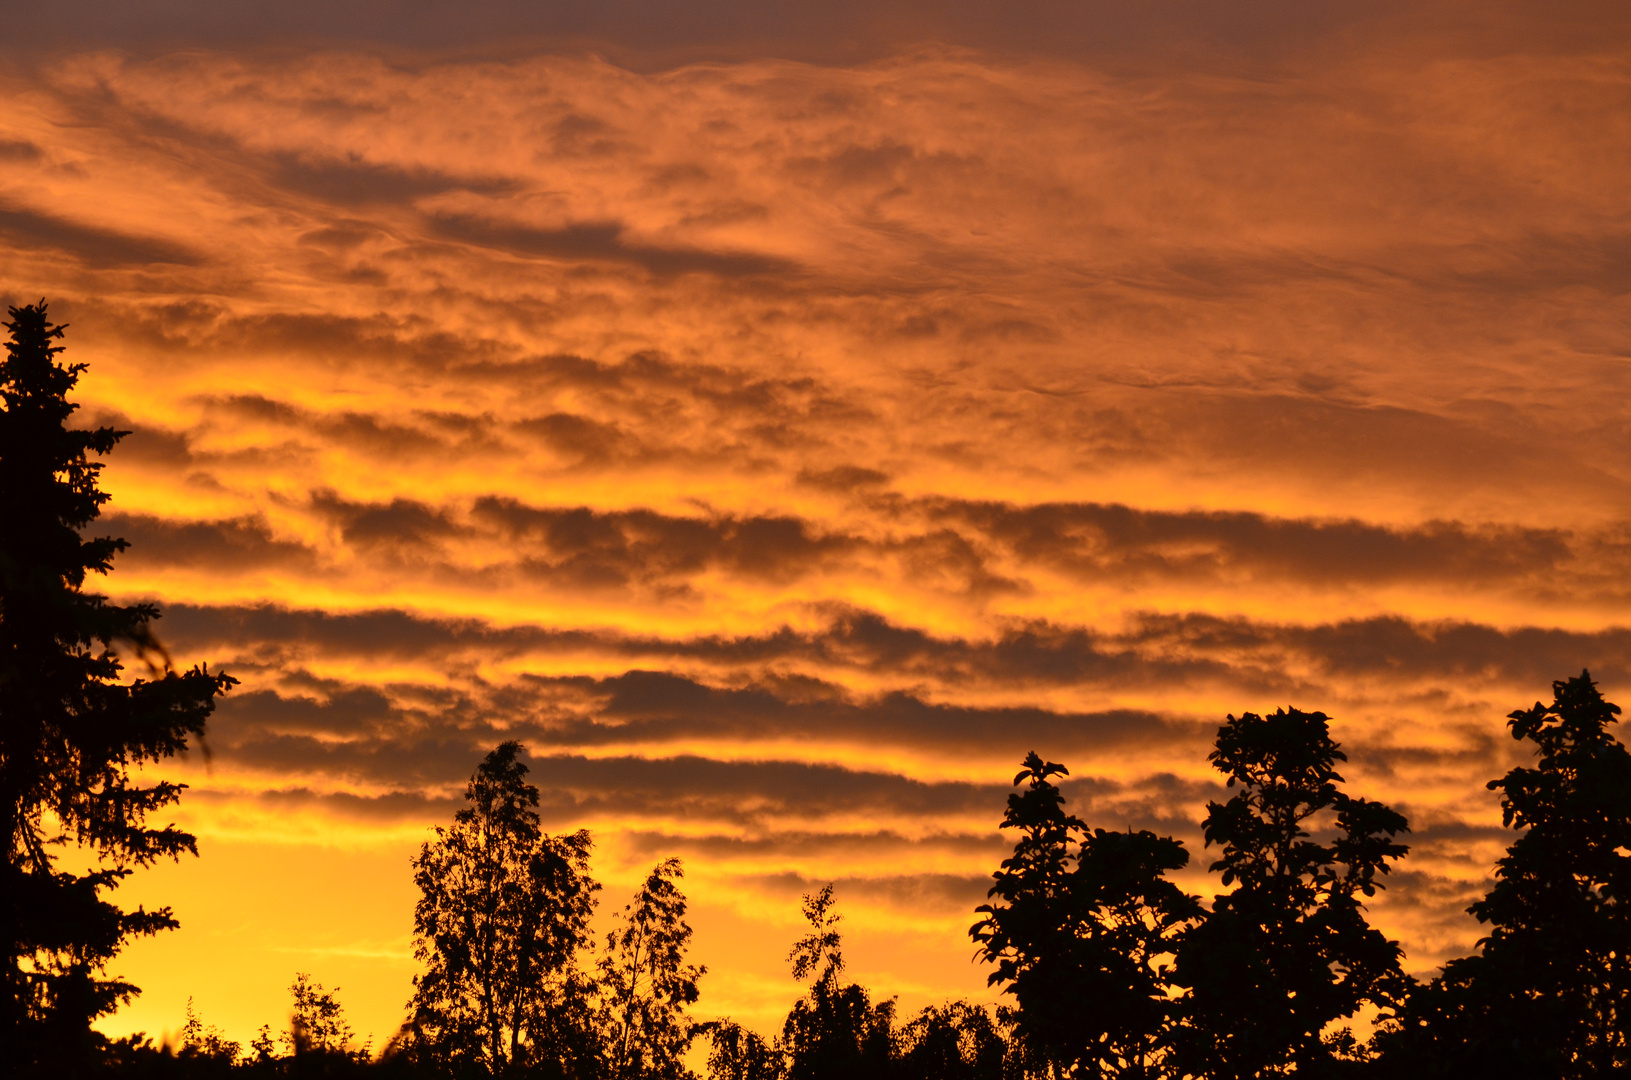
[263,1045]
[209,1043]
[1549,992]
[736,1053]
[318,1024]
[821,951]
[1080,930]
[1289,951]
[72,733]
[833,1030]
[503,912]
[646,985]
[956,1041]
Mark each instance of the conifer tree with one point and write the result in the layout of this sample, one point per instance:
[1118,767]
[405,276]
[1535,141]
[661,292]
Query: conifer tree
[73,733]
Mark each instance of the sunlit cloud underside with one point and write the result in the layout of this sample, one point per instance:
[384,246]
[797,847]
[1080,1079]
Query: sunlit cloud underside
[781,451]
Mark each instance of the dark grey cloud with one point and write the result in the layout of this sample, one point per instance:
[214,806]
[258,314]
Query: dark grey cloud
[1105,541]
[843,478]
[950,540]
[1154,649]
[390,633]
[19,150]
[938,893]
[357,183]
[389,807]
[201,330]
[610,549]
[588,441]
[575,786]
[347,711]
[657,709]
[603,242]
[235,543]
[649,705]
[398,524]
[1449,652]
[38,232]
[653,32]
[865,845]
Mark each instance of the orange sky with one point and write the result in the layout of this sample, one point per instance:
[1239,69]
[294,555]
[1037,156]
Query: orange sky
[782,436]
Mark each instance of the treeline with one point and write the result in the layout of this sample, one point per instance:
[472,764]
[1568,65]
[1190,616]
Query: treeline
[1109,968]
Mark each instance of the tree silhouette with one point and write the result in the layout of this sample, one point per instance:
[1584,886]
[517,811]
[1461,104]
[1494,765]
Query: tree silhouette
[646,985]
[1289,951]
[1079,929]
[833,1031]
[317,1025]
[503,912]
[206,1042]
[955,1041]
[1549,993]
[736,1053]
[71,733]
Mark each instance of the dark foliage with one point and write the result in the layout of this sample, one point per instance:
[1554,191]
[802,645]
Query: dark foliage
[71,732]
[1080,929]
[956,1041]
[1289,951]
[1549,992]
[833,1030]
[646,985]
[502,918]
[739,1054]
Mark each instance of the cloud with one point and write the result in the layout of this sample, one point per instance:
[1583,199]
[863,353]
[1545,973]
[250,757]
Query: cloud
[361,183]
[596,241]
[18,150]
[1091,540]
[35,231]
[1150,650]
[242,543]
[656,33]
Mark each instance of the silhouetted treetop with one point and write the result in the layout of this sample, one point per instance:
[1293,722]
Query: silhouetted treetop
[1549,992]
[1078,927]
[1289,952]
[71,732]
[646,984]
[502,917]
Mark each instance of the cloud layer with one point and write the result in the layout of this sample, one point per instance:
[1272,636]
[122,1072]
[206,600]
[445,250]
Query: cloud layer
[783,449]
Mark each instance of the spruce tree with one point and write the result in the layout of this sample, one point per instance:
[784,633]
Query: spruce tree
[74,734]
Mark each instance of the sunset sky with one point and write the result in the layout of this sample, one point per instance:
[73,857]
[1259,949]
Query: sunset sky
[783,416]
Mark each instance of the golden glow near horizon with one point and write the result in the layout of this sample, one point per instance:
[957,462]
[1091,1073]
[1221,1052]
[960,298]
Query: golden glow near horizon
[782,450]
